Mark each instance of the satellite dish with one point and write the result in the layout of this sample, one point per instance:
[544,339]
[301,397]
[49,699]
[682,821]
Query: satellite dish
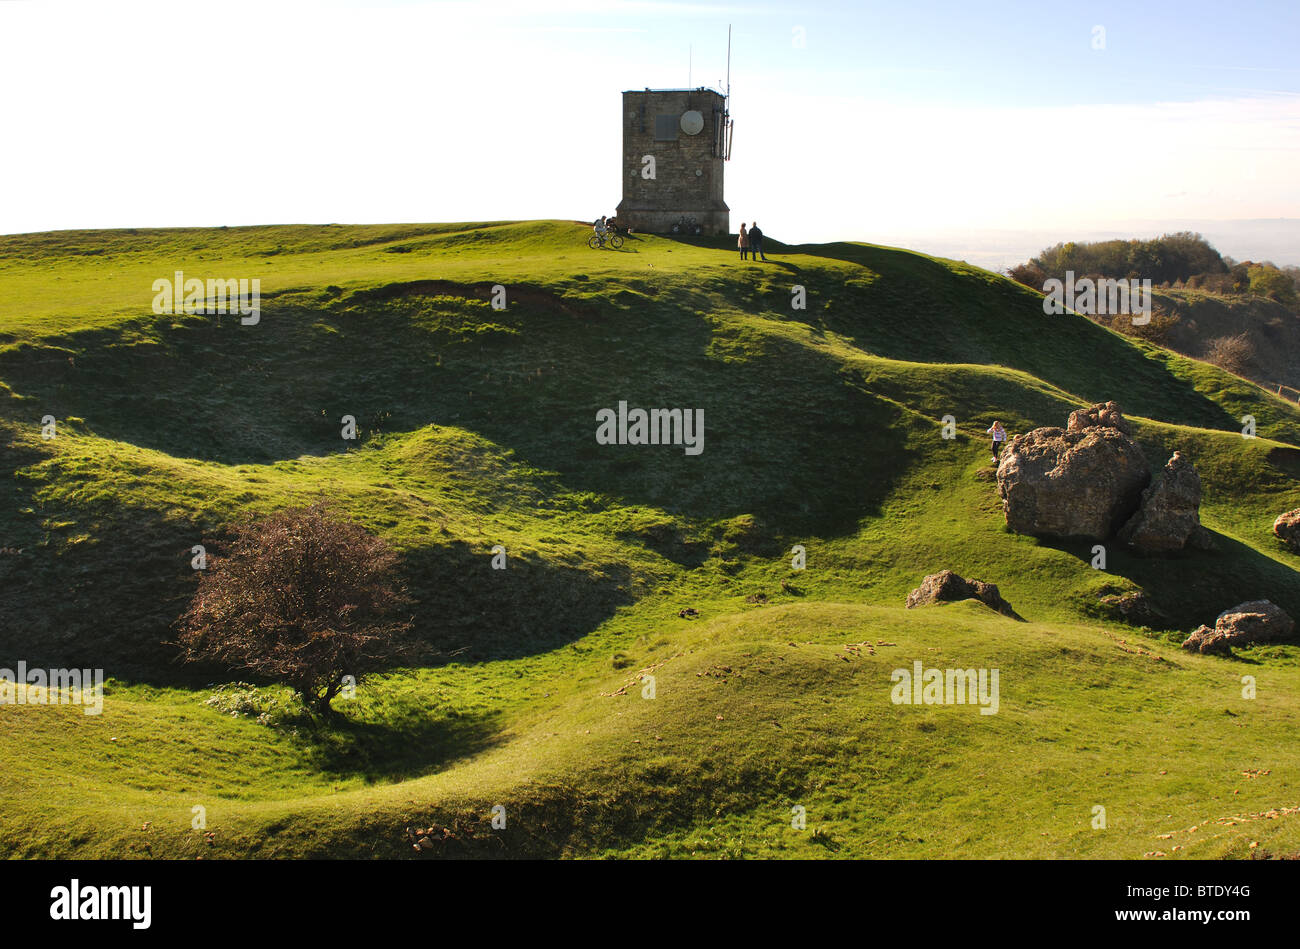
[692,122]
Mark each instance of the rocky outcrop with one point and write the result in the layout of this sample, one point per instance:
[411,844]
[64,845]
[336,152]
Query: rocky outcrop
[1135,609]
[1101,415]
[1287,529]
[1082,483]
[1091,480]
[1207,641]
[1169,518]
[946,587]
[1258,621]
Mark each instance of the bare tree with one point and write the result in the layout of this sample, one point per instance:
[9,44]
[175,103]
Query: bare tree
[302,597]
[1233,353]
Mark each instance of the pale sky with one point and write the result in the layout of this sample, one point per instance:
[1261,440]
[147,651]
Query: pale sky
[890,120]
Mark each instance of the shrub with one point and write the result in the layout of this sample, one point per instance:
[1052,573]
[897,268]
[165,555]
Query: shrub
[246,699]
[1157,330]
[1273,283]
[1154,331]
[1233,353]
[1029,274]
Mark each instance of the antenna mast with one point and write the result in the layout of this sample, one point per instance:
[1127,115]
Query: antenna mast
[726,106]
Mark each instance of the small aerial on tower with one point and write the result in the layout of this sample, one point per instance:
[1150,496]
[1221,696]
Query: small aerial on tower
[724,126]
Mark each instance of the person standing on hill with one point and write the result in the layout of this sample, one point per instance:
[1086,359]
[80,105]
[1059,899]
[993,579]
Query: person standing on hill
[743,242]
[999,436]
[756,242]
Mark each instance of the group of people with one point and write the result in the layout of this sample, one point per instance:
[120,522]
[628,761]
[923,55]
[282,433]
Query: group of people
[750,242]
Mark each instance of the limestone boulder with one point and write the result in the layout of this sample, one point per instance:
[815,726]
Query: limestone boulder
[1287,529]
[1257,621]
[1135,609]
[946,587]
[1060,483]
[1208,641]
[1169,518]
[1103,414]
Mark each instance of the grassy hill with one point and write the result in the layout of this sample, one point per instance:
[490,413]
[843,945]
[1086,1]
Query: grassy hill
[822,429]
[1270,332]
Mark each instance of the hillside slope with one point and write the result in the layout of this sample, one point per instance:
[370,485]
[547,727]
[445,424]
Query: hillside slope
[1271,329]
[477,424]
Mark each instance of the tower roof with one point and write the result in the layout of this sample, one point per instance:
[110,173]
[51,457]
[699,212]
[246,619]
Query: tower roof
[696,89]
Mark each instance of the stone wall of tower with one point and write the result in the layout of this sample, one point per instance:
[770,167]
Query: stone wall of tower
[688,176]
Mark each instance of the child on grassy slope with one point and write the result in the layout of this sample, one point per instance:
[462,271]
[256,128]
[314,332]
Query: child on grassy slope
[999,436]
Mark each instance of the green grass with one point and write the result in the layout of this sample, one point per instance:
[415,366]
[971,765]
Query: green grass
[822,428]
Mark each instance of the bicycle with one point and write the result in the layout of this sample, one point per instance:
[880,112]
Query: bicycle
[600,240]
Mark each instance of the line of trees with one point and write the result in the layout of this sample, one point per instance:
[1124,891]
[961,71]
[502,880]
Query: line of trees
[1184,259]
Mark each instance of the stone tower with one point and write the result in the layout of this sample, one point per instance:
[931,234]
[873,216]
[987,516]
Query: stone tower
[687,134]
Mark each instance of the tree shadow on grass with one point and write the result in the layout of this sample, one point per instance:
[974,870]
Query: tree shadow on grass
[409,743]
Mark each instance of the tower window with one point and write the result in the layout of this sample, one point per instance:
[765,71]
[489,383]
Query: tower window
[666,128]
